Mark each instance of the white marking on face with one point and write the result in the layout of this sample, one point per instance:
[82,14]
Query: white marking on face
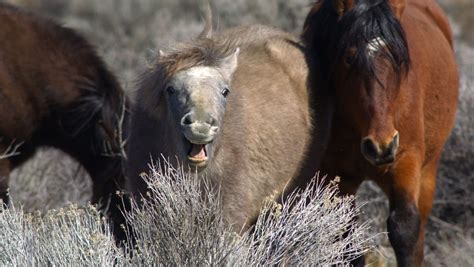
[202,72]
[199,90]
[374,45]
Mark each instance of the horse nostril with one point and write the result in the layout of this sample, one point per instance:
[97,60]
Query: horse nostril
[211,121]
[188,119]
[369,148]
[378,155]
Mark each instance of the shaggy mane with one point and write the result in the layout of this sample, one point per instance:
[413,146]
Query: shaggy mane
[201,52]
[331,36]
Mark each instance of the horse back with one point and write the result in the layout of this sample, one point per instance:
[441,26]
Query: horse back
[53,86]
[46,68]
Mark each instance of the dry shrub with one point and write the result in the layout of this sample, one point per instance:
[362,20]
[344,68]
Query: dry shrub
[71,236]
[180,223]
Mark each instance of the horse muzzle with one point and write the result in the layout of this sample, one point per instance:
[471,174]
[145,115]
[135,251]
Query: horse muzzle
[380,153]
[199,132]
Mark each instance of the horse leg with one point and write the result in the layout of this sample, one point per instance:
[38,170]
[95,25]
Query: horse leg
[4,180]
[425,203]
[403,223]
[107,194]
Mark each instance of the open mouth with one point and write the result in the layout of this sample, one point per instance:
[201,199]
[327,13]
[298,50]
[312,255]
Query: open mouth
[197,154]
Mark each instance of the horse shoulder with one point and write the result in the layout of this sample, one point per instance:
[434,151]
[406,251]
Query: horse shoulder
[289,56]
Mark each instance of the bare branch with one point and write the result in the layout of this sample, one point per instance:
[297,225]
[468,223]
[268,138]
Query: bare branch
[109,150]
[12,150]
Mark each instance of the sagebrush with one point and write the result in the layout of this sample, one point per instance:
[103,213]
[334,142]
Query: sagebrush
[180,222]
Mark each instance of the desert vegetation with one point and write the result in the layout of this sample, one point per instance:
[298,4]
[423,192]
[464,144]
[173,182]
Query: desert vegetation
[127,34]
[179,222]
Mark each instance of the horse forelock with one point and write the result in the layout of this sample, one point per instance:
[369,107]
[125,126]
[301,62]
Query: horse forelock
[367,24]
[201,52]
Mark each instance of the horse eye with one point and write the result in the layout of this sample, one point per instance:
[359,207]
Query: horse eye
[225,92]
[170,90]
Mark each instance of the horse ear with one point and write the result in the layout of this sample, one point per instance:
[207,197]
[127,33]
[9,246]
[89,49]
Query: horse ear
[229,64]
[342,6]
[208,28]
[398,6]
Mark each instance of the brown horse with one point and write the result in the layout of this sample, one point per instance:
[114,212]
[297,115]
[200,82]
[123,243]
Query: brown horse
[56,92]
[391,68]
[236,108]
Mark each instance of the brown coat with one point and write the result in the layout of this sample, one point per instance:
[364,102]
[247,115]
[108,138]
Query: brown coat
[395,100]
[55,91]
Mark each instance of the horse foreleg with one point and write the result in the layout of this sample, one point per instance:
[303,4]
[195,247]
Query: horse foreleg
[107,197]
[107,194]
[403,223]
[425,203]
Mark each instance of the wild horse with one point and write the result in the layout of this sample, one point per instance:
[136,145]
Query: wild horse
[234,107]
[391,69]
[56,92]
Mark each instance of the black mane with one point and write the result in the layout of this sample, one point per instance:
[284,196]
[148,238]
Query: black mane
[331,36]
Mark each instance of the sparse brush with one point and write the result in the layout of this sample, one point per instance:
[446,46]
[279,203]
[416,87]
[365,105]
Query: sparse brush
[313,227]
[180,222]
[16,238]
[75,236]
[71,236]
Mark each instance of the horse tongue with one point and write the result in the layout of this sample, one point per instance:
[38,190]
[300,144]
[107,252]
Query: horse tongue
[198,152]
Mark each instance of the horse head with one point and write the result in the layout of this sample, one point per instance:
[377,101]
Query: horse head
[364,52]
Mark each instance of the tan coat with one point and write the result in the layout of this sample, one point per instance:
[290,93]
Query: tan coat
[267,130]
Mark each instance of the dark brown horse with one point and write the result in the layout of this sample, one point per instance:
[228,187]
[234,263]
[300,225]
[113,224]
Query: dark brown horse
[56,92]
[391,68]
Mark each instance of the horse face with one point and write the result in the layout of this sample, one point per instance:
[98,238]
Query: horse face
[372,104]
[196,99]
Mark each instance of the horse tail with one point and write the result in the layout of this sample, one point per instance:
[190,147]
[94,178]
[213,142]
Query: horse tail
[113,115]
[99,112]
